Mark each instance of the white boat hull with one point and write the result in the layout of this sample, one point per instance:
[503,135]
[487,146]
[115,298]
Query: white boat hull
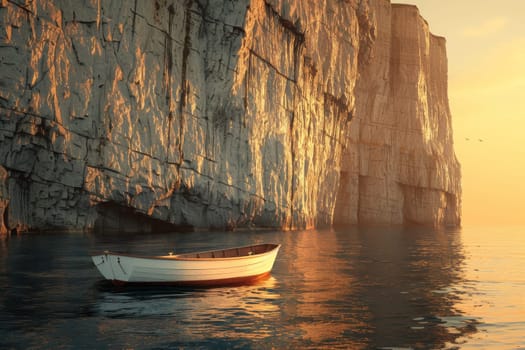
[189,269]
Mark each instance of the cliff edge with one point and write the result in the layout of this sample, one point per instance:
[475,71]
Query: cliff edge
[172,115]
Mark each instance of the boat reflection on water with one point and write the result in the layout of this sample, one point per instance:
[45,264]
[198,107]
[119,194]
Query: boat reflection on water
[197,315]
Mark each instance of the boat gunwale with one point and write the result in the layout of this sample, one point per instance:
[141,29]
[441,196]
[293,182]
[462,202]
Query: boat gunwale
[181,257]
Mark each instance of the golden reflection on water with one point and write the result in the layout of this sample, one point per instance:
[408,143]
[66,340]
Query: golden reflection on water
[494,286]
[319,272]
[375,287]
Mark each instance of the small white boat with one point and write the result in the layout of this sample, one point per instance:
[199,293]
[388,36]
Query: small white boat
[238,265]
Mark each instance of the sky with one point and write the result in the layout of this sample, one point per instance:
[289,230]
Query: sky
[486,80]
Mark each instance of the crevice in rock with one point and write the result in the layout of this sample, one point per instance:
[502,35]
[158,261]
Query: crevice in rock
[154,26]
[134,20]
[20,6]
[269,64]
[340,103]
[184,86]
[247,81]
[168,55]
[340,110]
[75,52]
[185,54]
[295,30]
[168,67]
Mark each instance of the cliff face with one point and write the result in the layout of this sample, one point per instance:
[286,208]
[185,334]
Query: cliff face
[165,115]
[400,166]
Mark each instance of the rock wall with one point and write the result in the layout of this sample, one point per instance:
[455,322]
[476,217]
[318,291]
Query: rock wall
[172,114]
[400,166]
[3,200]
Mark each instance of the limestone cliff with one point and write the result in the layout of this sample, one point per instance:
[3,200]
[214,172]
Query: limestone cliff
[172,114]
[400,165]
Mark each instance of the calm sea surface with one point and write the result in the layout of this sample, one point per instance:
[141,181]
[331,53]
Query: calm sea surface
[350,289]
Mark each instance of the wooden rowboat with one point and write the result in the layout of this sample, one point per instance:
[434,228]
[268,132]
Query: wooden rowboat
[238,265]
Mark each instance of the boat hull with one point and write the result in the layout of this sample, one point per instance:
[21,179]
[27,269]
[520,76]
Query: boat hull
[187,269]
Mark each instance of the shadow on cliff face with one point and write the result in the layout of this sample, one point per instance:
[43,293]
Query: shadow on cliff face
[113,217]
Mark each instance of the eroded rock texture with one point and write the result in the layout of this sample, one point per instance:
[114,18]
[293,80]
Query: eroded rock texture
[170,114]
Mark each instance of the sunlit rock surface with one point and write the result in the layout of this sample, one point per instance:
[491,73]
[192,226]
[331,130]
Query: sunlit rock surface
[164,115]
[400,165]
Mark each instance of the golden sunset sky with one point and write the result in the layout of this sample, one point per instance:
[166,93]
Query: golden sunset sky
[486,79]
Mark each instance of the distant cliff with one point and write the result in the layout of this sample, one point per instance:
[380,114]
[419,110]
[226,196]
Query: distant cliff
[171,114]
[400,166]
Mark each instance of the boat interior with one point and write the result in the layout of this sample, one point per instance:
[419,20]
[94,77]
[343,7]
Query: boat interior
[230,252]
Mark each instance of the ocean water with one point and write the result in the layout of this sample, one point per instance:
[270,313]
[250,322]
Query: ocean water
[353,288]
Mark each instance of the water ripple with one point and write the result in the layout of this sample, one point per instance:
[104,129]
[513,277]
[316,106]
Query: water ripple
[353,288]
